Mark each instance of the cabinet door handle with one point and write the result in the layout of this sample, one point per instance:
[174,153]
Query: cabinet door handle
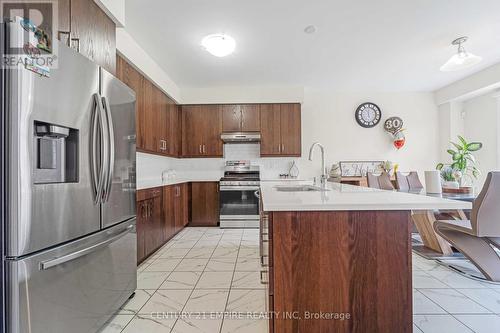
[65,33]
[163,145]
[204,150]
[262,277]
[279,148]
[282,147]
[199,149]
[73,42]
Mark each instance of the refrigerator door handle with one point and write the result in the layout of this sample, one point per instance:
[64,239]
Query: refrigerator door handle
[98,171]
[93,153]
[111,155]
[83,252]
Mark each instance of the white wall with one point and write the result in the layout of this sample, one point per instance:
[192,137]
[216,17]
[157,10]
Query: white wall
[328,117]
[481,124]
[474,85]
[128,48]
[234,94]
[115,9]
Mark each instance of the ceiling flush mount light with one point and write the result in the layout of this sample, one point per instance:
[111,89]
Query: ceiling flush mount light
[310,29]
[462,59]
[219,45]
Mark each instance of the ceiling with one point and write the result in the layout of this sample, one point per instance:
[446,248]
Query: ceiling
[360,45]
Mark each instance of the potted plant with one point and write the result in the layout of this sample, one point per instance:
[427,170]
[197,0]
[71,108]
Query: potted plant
[463,167]
[450,177]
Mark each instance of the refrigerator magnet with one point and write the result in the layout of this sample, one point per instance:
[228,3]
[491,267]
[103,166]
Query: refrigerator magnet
[31,65]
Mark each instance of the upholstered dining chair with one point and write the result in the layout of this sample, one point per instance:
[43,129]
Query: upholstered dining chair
[382,181]
[410,182]
[476,238]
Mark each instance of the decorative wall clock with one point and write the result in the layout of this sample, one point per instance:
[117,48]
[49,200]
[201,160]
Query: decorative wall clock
[368,115]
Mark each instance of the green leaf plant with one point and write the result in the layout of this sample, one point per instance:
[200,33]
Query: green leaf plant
[463,161]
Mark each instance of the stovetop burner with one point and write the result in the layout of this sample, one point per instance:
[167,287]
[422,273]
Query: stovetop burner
[240,173]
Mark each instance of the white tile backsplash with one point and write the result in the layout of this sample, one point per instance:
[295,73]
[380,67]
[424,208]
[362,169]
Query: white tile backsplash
[150,167]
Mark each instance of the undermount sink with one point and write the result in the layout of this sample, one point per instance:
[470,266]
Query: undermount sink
[300,188]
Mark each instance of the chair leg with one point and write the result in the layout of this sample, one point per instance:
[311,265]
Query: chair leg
[477,250]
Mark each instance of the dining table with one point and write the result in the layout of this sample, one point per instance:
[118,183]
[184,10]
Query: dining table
[434,245]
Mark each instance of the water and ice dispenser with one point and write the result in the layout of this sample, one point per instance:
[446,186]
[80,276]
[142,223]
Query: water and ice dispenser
[55,154]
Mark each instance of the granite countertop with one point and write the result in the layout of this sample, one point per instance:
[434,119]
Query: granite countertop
[349,197]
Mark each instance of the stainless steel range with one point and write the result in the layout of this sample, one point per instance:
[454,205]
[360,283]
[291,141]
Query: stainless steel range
[239,195]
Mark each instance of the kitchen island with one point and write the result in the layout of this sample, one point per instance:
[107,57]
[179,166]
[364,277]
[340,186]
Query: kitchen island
[339,260]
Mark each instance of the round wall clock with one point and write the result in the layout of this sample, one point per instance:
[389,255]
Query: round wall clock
[368,115]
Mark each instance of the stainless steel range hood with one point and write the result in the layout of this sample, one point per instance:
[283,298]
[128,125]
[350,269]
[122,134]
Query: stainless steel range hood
[240,137]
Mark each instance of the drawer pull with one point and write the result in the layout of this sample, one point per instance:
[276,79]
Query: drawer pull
[262,277]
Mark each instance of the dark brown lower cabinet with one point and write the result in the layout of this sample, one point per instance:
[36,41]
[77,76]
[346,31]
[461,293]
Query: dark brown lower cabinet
[149,222]
[169,211]
[204,203]
[345,263]
[181,206]
[161,213]
[142,217]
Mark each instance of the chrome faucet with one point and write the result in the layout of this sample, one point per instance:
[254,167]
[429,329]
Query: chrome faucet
[324,175]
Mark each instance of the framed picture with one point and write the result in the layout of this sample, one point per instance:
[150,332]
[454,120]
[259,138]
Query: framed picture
[359,168]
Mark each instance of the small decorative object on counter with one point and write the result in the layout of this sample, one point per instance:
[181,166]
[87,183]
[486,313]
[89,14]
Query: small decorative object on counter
[448,174]
[394,126]
[167,175]
[359,168]
[387,166]
[294,170]
[335,174]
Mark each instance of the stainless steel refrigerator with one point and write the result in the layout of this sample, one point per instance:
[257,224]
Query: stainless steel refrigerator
[68,194]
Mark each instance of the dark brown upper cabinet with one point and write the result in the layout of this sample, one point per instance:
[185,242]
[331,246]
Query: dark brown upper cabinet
[290,126]
[64,21]
[91,32]
[201,130]
[231,118]
[173,128]
[280,129]
[157,115]
[240,118]
[250,117]
[270,130]
[151,114]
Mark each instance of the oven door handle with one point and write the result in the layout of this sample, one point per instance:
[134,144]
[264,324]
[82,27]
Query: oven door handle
[257,194]
[239,188]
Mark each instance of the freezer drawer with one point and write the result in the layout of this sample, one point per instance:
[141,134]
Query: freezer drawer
[74,288]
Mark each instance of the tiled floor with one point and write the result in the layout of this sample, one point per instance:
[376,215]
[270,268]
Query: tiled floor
[204,271]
